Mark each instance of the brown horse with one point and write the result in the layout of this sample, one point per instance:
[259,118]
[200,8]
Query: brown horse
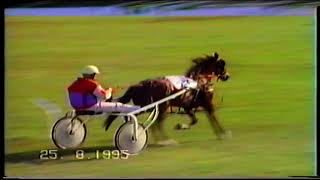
[203,70]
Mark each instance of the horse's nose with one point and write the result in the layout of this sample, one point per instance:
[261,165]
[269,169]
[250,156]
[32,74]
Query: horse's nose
[226,76]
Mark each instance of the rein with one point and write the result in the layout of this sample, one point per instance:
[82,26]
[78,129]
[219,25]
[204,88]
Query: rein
[207,77]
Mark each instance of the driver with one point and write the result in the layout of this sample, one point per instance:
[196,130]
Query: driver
[87,94]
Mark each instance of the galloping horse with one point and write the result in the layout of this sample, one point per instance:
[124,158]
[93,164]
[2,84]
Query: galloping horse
[203,70]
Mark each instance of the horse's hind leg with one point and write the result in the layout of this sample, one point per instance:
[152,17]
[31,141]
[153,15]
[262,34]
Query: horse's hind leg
[160,126]
[193,118]
[155,132]
[161,118]
[109,121]
[128,95]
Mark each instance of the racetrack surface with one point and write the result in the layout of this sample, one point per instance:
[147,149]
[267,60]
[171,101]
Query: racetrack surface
[268,102]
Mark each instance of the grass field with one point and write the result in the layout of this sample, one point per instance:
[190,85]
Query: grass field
[268,102]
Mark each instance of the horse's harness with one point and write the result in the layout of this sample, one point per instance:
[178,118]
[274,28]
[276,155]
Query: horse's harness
[202,85]
[206,88]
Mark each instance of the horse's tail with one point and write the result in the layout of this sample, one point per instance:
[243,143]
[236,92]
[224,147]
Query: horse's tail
[128,95]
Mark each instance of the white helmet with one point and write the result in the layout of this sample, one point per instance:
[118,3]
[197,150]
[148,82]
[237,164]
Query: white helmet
[90,69]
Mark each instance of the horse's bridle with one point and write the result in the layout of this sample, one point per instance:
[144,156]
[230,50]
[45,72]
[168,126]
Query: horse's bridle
[204,86]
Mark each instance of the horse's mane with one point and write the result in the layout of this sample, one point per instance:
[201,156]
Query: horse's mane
[200,64]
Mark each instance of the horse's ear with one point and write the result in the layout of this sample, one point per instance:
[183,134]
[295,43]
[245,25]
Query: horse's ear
[215,55]
[222,62]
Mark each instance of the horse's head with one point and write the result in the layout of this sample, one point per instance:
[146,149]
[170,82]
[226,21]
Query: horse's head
[221,70]
[209,66]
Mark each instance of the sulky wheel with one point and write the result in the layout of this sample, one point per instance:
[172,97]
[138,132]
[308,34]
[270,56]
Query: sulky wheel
[124,138]
[67,134]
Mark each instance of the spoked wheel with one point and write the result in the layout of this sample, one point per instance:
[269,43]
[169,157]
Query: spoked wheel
[68,133]
[124,138]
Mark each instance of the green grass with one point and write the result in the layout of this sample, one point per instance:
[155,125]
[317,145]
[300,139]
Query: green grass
[268,102]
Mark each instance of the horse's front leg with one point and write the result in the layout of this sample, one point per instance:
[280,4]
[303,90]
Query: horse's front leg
[215,124]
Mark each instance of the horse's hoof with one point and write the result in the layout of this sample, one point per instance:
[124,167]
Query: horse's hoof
[182,126]
[177,127]
[225,135]
[185,126]
[167,142]
[220,137]
[228,134]
[172,142]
